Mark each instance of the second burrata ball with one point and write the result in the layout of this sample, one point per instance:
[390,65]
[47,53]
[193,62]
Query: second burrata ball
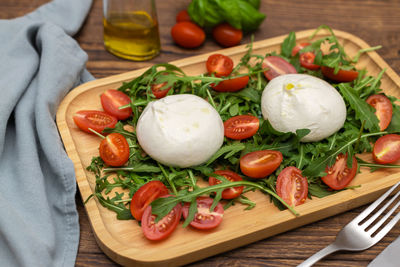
[180,130]
[301,101]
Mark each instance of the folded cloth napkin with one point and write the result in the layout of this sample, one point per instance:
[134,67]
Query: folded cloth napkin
[40,63]
[389,257]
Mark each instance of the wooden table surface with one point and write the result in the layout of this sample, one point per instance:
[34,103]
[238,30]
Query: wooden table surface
[376,22]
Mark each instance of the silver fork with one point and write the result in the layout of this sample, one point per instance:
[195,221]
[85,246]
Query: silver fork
[354,236]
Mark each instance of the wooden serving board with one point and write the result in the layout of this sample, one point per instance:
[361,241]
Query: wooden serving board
[124,242]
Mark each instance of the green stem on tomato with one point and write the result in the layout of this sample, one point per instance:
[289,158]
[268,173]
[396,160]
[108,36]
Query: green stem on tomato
[97,133]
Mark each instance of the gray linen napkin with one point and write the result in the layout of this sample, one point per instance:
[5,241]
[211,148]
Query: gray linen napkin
[389,257]
[39,64]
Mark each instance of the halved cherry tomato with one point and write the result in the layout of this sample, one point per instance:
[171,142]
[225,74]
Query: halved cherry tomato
[387,149]
[307,61]
[112,99]
[241,127]
[339,175]
[205,219]
[183,15]
[259,164]
[384,109]
[219,64]
[163,228]
[144,196]
[291,186]
[226,35]
[114,149]
[298,47]
[187,34]
[94,119]
[276,66]
[158,92]
[231,85]
[342,76]
[228,193]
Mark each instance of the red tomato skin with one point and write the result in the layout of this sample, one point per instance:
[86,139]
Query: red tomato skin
[307,61]
[228,193]
[219,65]
[158,92]
[188,34]
[342,76]
[231,85]
[162,229]
[287,179]
[384,109]
[144,196]
[108,147]
[298,47]
[94,119]
[277,66]
[241,127]
[202,221]
[251,166]
[112,99]
[387,149]
[340,169]
[183,15]
[226,35]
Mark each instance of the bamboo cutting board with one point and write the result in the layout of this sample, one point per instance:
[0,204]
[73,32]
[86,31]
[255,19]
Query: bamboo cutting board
[124,242]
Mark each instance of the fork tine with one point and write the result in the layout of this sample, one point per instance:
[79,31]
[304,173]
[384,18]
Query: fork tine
[387,228]
[375,204]
[379,212]
[387,215]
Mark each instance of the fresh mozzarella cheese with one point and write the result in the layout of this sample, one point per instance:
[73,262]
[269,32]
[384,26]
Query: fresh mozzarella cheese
[180,130]
[301,101]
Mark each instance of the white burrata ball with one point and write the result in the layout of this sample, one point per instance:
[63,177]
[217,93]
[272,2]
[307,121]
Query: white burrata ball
[301,101]
[180,130]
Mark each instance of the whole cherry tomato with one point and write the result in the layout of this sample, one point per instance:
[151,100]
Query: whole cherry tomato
[187,34]
[183,15]
[226,35]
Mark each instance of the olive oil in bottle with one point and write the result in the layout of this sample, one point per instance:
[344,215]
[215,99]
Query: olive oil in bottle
[132,35]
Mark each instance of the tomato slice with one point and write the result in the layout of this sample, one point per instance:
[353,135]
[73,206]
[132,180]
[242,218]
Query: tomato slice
[259,164]
[228,193]
[163,228]
[342,76]
[205,219]
[339,175]
[384,109]
[219,64]
[144,196]
[387,149]
[241,127]
[114,149]
[183,15]
[231,85]
[94,119]
[112,99]
[298,47]
[276,66]
[291,186]
[307,61]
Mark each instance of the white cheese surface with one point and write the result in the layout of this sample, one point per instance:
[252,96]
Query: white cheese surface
[301,101]
[180,130]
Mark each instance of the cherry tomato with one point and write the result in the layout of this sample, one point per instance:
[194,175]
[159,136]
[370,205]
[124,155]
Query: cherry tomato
[307,61]
[231,85]
[291,186]
[298,47]
[144,196]
[114,149]
[387,149]
[276,66]
[112,99]
[94,119]
[241,127]
[205,219]
[219,64]
[158,92]
[226,35]
[342,76]
[339,175]
[183,15]
[384,109]
[259,164]
[163,228]
[228,193]
[187,34]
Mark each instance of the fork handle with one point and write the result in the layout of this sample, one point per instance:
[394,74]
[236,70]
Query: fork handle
[319,255]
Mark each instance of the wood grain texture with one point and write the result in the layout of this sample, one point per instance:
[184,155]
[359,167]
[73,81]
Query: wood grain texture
[375,21]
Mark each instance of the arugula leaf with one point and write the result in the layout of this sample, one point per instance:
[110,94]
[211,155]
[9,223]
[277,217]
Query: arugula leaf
[288,44]
[228,150]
